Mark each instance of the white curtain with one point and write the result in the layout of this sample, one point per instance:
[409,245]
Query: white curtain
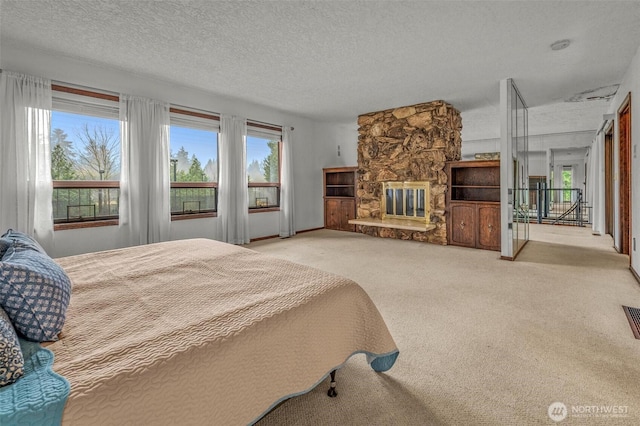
[287,225]
[233,202]
[25,156]
[596,180]
[145,208]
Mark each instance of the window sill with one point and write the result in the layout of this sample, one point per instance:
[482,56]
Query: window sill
[193,216]
[264,210]
[80,225]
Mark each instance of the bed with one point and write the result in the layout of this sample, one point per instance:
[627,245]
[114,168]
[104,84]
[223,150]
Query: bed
[202,332]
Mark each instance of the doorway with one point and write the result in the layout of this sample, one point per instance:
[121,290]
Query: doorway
[536,184]
[624,136]
[608,181]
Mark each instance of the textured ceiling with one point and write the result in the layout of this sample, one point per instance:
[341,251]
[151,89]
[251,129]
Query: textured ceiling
[334,60]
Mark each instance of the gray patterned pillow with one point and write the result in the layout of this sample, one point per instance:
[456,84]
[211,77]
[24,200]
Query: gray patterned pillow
[35,292]
[11,359]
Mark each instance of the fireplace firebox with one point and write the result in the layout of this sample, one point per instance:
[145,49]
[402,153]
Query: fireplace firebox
[406,200]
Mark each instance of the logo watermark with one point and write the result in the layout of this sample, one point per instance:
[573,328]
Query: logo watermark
[558,411]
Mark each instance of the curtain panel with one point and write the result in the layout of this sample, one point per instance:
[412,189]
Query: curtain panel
[25,169]
[233,202]
[145,208]
[287,224]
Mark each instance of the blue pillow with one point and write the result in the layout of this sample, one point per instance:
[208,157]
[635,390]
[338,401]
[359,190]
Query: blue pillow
[11,358]
[35,292]
[22,241]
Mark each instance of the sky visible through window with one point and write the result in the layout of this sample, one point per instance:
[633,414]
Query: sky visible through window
[71,124]
[72,156]
[201,143]
[260,167]
[257,149]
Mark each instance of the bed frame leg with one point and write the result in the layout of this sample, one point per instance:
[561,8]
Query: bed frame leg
[332,390]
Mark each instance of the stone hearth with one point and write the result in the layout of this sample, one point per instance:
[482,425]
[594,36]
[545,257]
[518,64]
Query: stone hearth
[406,144]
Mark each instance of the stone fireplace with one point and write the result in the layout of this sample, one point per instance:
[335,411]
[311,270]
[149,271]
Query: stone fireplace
[401,158]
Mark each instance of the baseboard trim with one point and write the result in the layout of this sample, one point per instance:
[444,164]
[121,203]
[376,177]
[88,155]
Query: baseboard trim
[309,230]
[268,237]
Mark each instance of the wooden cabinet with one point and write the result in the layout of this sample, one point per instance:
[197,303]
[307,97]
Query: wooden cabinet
[337,214]
[339,198]
[475,225]
[488,226]
[473,204]
[461,227]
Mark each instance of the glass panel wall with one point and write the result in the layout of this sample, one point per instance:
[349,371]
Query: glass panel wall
[520,158]
[514,170]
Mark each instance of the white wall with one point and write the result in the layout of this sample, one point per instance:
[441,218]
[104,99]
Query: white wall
[472,147]
[541,143]
[314,144]
[545,151]
[538,165]
[343,139]
[630,83]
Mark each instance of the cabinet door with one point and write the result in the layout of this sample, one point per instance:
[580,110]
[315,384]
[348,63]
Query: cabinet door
[463,225]
[347,212]
[489,226]
[332,214]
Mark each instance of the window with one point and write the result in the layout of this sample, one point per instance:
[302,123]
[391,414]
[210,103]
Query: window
[263,166]
[567,183]
[85,157]
[194,164]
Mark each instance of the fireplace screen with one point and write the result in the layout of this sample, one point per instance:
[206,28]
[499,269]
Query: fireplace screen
[406,200]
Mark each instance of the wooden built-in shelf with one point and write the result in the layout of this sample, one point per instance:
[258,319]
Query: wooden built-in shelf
[473,204]
[340,195]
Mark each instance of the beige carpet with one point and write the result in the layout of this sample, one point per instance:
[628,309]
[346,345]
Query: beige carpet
[482,340]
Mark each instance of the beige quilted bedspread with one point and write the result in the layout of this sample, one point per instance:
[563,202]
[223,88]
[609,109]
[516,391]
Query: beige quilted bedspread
[204,333]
